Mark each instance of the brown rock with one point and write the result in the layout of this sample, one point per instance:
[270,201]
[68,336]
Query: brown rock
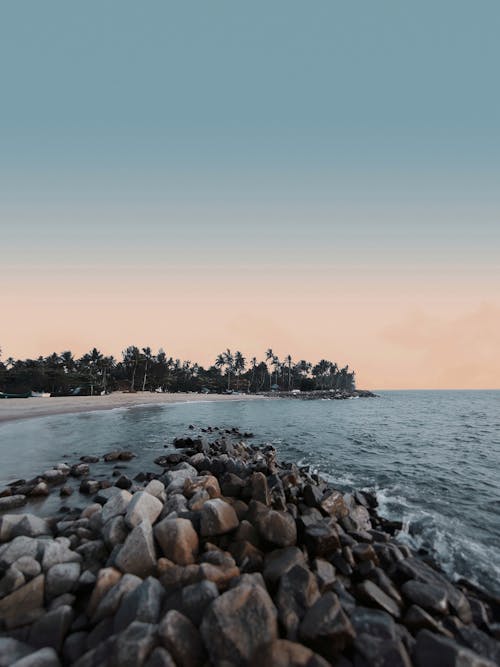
[325,628]
[283,653]
[217,518]
[181,639]
[18,607]
[178,540]
[277,528]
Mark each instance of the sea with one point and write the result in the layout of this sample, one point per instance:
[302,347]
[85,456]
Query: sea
[431,457]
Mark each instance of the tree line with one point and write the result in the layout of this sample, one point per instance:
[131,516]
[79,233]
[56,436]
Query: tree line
[140,369]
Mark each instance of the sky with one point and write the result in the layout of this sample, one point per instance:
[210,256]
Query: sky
[320,178]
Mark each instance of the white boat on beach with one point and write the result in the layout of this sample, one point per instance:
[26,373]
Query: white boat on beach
[40,394]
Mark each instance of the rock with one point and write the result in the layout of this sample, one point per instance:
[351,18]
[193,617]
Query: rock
[435,651]
[52,628]
[160,657]
[112,599]
[138,554]
[143,506]
[430,597]
[106,579]
[334,505]
[178,540]
[56,553]
[373,595]
[297,592]
[123,482]
[259,488]
[364,552]
[155,488]
[181,639]
[380,652]
[283,653]
[115,532]
[39,490]
[325,628]
[74,647]
[217,518]
[276,528]
[417,619]
[61,578]
[18,607]
[11,581]
[134,645]
[479,642]
[207,483]
[45,657]
[116,505]
[280,561]
[54,476]
[237,624]
[325,574]
[312,495]
[11,502]
[79,470]
[89,486]
[141,604]
[104,494]
[12,650]
[28,566]
[374,623]
[196,598]
[18,547]
[321,539]
[65,491]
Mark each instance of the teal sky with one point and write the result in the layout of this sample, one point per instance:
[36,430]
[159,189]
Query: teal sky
[274,136]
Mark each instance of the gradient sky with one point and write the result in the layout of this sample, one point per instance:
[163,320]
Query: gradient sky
[322,178]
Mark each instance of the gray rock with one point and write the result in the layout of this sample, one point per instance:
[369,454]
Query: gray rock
[89,486]
[45,657]
[28,566]
[155,488]
[74,646]
[112,599]
[370,593]
[103,495]
[417,619]
[325,628]
[435,651]
[373,622]
[61,578]
[55,476]
[115,531]
[178,540]
[181,639]
[160,657]
[143,506]
[380,652]
[138,554]
[19,546]
[11,502]
[142,604]
[217,518]
[430,597]
[325,574]
[280,561]
[297,592]
[116,505]
[65,599]
[30,526]
[52,628]
[12,650]
[56,552]
[18,607]
[134,645]
[237,624]
[11,581]
[106,579]
[479,642]
[321,539]
[195,599]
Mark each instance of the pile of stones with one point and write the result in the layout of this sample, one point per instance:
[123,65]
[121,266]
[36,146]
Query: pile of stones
[226,557]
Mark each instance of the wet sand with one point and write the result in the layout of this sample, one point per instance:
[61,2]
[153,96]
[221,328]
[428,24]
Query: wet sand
[26,408]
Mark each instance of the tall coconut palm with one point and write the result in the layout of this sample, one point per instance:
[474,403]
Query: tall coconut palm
[148,358]
[269,357]
[239,366]
[288,362]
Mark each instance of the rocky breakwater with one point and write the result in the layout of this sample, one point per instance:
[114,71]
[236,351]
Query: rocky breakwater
[226,557]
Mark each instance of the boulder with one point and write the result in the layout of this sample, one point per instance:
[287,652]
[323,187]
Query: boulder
[436,651]
[333,504]
[178,540]
[207,483]
[30,526]
[58,552]
[116,505]
[134,645]
[61,578]
[155,488]
[373,622]
[115,531]
[431,597]
[138,554]
[19,546]
[141,604]
[237,624]
[12,650]
[106,578]
[321,539]
[195,599]
[283,653]
[29,566]
[11,580]
[280,561]
[52,628]
[371,594]
[12,502]
[380,652]
[276,528]
[142,507]
[181,639]
[325,628]
[217,518]
[18,607]
[111,600]
[297,592]
[160,657]
[45,657]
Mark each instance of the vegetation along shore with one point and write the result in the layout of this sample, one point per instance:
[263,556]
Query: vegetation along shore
[223,555]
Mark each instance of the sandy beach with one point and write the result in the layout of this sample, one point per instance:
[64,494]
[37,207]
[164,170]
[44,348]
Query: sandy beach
[26,408]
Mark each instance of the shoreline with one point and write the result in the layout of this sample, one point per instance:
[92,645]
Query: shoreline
[16,409]
[176,564]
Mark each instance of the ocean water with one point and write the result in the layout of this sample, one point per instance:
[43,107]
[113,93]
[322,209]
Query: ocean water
[433,457]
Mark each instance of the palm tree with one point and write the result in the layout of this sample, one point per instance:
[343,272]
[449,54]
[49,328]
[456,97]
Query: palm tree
[270,356]
[288,361]
[239,366]
[131,358]
[148,356]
